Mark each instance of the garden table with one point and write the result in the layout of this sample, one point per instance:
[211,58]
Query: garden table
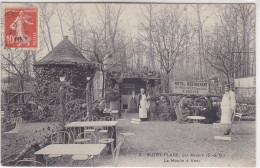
[82,124]
[71,149]
[196,118]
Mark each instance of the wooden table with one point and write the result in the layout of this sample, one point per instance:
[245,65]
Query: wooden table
[71,149]
[196,118]
[112,112]
[82,124]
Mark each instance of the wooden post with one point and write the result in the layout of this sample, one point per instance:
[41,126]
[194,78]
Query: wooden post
[88,97]
[62,107]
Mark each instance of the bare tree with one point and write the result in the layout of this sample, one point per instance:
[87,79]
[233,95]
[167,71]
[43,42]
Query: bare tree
[102,40]
[146,28]
[60,13]
[168,39]
[47,12]
[219,55]
[15,62]
[231,41]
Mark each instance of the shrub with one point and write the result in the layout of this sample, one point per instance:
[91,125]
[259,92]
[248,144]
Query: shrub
[74,110]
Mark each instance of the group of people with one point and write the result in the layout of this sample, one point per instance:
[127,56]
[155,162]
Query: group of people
[142,105]
[228,105]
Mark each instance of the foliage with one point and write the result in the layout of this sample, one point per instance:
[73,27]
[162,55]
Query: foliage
[163,111]
[74,110]
[47,79]
[34,134]
[97,108]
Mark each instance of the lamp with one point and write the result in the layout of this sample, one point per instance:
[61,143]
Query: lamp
[62,78]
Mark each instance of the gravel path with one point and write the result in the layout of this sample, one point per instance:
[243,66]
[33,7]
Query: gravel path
[166,143]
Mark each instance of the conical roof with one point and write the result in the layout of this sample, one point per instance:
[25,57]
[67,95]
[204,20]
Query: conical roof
[65,53]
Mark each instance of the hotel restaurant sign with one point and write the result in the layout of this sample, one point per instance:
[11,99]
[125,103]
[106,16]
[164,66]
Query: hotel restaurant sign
[185,87]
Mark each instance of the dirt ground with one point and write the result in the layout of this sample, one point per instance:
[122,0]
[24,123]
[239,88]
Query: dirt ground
[167,143]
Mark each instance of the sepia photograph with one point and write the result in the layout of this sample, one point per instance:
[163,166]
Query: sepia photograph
[120,84]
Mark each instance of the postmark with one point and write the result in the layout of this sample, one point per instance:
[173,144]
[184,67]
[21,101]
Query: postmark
[21,27]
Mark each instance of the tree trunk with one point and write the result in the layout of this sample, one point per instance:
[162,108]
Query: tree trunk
[103,83]
[49,34]
[228,79]
[21,88]
[167,88]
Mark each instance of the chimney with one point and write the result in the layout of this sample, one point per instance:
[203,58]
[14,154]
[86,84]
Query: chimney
[65,37]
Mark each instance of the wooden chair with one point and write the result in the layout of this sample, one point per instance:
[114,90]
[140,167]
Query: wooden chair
[89,138]
[104,129]
[18,121]
[85,137]
[90,118]
[116,155]
[114,114]
[108,118]
[29,162]
[116,152]
[108,139]
[130,133]
[219,130]
[123,116]
[235,123]
[59,137]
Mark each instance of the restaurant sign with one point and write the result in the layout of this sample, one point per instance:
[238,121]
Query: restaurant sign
[185,87]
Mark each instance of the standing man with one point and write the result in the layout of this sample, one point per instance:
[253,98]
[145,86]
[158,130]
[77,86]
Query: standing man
[142,104]
[228,107]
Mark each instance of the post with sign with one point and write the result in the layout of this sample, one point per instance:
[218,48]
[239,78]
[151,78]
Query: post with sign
[190,88]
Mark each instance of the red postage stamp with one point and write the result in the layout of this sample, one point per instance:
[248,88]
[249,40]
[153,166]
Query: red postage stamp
[21,27]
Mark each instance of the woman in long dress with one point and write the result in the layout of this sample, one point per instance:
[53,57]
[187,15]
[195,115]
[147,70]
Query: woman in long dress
[132,104]
[142,105]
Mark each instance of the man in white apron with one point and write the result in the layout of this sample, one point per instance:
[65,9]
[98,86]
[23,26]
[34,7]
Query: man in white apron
[228,106]
[142,104]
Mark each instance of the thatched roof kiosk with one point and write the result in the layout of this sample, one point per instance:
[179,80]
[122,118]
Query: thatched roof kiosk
[64,60]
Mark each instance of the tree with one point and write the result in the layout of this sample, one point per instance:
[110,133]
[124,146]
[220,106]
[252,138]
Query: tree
[47,12]
[231,42]
[103,42]
[76,24]
[60,12]
[219,55]
[15,62]
[146,28]
[168,38]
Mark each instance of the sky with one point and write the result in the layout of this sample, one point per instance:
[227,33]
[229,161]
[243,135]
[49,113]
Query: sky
[129,19]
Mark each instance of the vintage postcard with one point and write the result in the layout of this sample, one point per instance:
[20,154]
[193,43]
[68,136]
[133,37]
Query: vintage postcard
[128,84]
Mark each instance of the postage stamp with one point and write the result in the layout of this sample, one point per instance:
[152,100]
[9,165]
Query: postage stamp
[21,27]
